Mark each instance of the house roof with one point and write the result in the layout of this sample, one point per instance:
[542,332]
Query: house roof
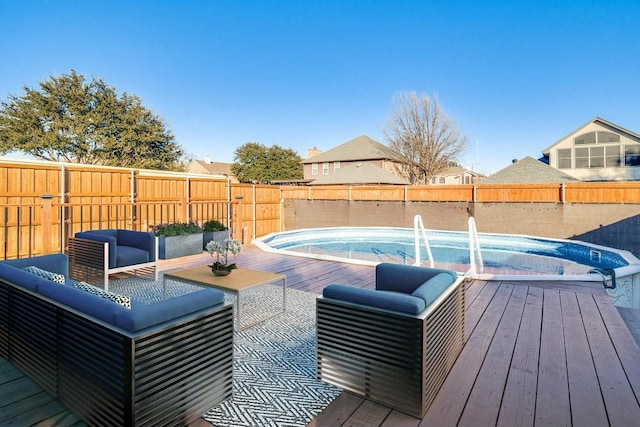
[218,168]
[598,120]
[455,171]
[528,171]
[360,148]
[360,174]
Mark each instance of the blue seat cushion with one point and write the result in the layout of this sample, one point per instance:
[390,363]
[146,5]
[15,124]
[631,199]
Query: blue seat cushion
[143,315]
[388,300]
[127,255]
[432,288]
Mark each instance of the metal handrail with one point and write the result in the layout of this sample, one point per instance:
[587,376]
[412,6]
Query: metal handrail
[418,225]
[474,247]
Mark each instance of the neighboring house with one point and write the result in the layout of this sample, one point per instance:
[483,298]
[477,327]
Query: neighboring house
[361,150]
[528,171]
[455,175]
[597,151]
[360,174]
[208,167]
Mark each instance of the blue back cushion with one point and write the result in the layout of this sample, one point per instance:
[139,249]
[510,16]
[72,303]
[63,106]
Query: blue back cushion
[405,278]
[20,277]
[55,263]
[432,288]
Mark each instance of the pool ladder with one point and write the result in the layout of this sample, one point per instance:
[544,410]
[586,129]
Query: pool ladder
[476,265]
[418,226]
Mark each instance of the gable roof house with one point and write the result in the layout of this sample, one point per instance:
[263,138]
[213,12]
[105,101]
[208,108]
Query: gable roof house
[359,161]
[207,167]
[455,175]
[597,151]
[528,171]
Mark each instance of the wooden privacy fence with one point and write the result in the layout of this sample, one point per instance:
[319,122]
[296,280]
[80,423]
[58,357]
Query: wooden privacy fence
[43,203]
[574,192]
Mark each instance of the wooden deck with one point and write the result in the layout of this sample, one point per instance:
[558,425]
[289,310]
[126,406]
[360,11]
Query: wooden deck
[536,354]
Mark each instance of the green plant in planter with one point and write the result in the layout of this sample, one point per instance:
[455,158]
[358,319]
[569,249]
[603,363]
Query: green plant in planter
[214,225]
[177,229]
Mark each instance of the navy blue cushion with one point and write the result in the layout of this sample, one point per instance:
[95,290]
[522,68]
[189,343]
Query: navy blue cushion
[55,263]
[126,255]
[20,277]
[146,315]
[388,300]
[108,236]
[405,278]
[82,301]
[138,239]
[432,288]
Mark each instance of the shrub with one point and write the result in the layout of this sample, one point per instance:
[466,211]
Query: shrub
[176,229]
[214,225]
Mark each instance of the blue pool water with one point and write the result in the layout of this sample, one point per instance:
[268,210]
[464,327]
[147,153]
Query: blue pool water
[501,254]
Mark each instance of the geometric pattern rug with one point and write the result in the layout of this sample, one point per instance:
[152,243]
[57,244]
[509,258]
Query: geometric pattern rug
[274,380]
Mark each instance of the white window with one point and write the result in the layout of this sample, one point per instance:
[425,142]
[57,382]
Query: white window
[564,158]
[314,169]
[336,166]
[325,168]
[632,155]
[599,149]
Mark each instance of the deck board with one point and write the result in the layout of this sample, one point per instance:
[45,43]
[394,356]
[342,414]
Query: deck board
[484,401]
[519,398]
[586,401]
[552,400]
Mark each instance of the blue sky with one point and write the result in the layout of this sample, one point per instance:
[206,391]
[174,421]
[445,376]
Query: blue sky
[515,75]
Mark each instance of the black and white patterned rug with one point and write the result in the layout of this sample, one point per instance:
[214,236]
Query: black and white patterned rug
[274,361]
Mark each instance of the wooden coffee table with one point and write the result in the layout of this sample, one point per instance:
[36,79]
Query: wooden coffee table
[235,283]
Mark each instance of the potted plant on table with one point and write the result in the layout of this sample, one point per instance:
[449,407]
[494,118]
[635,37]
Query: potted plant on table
[221,266]
[178,239]
[214,230]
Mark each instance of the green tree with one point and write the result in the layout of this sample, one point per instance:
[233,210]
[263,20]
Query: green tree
[253,162]
[70,120]
[425,139]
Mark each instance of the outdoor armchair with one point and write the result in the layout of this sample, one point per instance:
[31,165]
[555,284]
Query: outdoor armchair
[396,344]
[95,254]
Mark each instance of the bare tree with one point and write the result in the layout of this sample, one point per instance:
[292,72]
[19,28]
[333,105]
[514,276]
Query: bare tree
[425,139]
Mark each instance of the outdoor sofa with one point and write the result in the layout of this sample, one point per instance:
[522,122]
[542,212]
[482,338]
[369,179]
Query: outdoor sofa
[396,344]
[95,254]
[156,364]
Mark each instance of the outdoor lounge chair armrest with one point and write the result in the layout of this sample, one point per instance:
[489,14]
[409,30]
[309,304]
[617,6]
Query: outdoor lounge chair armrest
[99,237]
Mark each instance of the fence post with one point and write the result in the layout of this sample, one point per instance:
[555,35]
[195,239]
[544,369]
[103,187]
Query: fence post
[45,219]
[237,219]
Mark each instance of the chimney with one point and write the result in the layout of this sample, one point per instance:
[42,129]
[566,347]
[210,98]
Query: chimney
[207,160]
[313,152]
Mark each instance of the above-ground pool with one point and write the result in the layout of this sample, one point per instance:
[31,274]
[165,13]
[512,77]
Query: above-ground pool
[502,255]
